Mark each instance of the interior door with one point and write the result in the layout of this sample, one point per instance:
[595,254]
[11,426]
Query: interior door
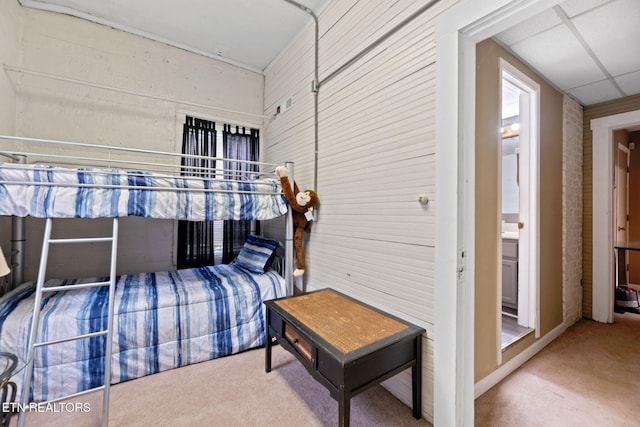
[526,183]
[526,179]
[621,200]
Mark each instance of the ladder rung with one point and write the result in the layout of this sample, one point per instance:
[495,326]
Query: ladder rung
[82,240]
[74,286]
[41,290]
[71,396]
[77,337]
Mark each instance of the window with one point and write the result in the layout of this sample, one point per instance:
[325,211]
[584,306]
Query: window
[215,242]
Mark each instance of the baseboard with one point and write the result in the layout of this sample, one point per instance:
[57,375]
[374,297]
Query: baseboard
[499,374]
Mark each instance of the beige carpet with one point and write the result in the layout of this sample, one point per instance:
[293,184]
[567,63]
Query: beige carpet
[233,391]
[589,376]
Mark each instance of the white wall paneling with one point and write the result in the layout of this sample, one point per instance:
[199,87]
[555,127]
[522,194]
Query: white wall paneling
[376,156]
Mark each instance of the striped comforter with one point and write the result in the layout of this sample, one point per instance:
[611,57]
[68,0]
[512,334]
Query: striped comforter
[55,192]
[163,320]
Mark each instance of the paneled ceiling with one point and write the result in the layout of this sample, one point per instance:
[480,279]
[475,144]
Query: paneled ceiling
[589,49]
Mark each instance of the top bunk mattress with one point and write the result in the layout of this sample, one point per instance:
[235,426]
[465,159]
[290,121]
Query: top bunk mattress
[45,191]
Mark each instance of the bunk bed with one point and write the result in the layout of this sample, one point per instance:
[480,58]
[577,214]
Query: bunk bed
[161,320]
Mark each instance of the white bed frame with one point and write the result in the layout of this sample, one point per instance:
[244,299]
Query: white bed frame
[22,150]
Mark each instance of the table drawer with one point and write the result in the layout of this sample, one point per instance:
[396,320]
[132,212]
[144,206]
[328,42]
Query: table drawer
[299,343]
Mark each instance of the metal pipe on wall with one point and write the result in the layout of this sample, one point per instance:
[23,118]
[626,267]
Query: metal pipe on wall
[314,88]
[128,92]
[316,92]
[378,41]
[317,83]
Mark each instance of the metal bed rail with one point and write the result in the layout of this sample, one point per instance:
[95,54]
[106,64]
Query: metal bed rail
[27,152]
[168,164]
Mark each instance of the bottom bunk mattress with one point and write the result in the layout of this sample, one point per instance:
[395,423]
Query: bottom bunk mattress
[163,320]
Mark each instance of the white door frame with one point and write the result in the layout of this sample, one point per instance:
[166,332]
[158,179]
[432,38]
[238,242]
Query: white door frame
[602,237]
[529,241]
[457,32]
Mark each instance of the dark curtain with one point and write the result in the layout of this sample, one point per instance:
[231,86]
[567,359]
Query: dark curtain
[196,245]
[197,240]
[241,144]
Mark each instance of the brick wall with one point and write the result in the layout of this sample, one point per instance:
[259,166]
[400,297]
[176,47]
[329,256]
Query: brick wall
[572,217]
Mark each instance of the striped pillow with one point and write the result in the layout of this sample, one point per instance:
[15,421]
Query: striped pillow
[256,254]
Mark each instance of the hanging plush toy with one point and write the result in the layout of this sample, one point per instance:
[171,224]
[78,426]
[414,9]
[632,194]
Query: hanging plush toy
[302,204]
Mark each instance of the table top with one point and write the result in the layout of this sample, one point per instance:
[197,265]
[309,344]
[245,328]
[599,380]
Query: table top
[626,244]
[342,322]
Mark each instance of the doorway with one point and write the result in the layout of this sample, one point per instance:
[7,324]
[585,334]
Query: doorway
[603,219]
[457,33]
[519,205]
[621,203]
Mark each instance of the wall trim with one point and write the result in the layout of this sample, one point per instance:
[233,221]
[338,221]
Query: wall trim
[501,373]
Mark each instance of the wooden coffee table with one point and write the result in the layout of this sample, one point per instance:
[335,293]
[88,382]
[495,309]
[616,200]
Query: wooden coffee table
[345,344]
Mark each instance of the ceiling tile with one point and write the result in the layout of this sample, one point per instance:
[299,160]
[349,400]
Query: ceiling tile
[615,24]
[595,93]
[531,27]
[629,83]
[576,7]
[561,58]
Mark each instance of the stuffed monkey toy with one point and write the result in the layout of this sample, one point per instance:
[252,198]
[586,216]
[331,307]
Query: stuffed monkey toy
[302,204]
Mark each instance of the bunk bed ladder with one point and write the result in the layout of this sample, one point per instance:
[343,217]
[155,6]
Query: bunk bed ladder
[108,332]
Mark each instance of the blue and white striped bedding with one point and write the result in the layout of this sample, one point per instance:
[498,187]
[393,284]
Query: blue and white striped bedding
[163,320]
[55,192]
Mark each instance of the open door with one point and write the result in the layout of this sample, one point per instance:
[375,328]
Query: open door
[621,204]
[519,204]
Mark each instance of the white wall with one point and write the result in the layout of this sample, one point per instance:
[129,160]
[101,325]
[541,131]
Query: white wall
[10,19]
[376,156]
[72,48]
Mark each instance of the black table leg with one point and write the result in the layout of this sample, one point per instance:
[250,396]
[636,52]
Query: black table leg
[416,383]
[621,267]
[344,407]
[620,277]
[267,345]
